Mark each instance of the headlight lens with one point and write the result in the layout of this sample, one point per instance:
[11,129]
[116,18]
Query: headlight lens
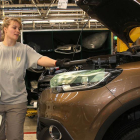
[78,80]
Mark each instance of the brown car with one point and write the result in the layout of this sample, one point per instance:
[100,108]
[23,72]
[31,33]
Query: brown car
[101,100]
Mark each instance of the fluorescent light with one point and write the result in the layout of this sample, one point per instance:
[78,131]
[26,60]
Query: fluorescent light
[31,15]
[44,21]
[38,21]
[91,20]
[27,22]
[17,11]
[94,20]
[65,10]
[61,20]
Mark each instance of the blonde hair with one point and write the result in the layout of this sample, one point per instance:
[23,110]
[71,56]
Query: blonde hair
[6,23]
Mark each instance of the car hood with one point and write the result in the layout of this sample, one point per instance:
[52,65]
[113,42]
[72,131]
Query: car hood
[120,16]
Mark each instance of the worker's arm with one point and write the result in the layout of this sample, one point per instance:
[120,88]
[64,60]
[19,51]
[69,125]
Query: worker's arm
[46,62]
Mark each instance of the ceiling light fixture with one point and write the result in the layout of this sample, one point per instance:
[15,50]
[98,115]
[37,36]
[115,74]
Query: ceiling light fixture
[91,20]
[44,21]
[29,22]
[61,20]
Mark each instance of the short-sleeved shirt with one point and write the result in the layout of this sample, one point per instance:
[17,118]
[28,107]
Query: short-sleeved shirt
[14,60]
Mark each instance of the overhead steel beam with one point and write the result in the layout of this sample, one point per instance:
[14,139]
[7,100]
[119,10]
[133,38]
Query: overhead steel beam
[62,25]
[20,1]
[48,10]
[35,11]
[51,16]
[80,15]
[36,7]
[11,2]
[36,14]
[37,1]
[3,9]
[0,11]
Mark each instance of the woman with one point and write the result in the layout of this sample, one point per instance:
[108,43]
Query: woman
[15,58]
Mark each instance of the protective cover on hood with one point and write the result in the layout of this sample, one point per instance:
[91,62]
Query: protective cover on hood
[120,16]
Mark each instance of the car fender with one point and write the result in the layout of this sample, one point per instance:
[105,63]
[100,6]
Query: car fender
[122,109]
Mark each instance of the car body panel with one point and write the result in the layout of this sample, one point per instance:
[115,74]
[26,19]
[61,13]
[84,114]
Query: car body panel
[114,116]
[126,86]
[83,113]
[77,111]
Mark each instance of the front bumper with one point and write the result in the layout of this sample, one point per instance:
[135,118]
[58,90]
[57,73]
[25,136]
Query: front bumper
[43,129]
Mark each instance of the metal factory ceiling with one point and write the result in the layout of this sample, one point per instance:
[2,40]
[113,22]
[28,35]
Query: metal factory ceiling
[45,14]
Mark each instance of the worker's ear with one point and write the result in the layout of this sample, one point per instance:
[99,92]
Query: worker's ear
[5,29]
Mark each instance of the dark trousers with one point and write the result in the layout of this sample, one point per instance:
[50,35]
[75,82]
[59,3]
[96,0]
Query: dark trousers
[12,123]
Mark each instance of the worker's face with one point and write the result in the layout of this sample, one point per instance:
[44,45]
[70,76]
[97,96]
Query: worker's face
[12,31]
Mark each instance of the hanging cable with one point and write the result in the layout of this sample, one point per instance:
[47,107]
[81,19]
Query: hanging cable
[80,35]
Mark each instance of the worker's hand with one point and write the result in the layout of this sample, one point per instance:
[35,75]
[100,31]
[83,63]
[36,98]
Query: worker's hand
[61,62]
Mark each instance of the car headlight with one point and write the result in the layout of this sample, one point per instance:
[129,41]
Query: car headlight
[81,80]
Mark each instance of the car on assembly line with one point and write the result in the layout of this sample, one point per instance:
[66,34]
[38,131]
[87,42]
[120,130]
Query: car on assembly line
[97,98]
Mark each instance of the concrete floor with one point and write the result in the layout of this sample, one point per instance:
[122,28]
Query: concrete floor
[30,128]
[29,137]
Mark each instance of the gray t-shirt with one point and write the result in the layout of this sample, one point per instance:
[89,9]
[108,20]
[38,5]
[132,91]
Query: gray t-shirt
[14,61]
